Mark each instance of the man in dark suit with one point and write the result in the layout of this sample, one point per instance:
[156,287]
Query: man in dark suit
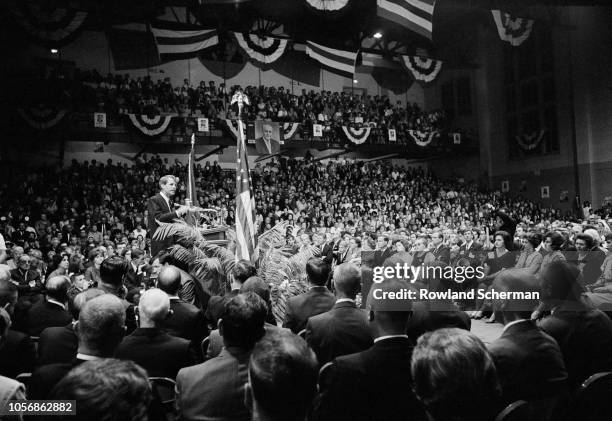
[242,271]
[440,251]
[327,252]
[470,249]
[134,276]
[160,208]
[51,311]
[221,380]
[529,362]
[17,352]
[383,251]
[28,281]
[282,377]
[341,256]
[112,271]
[266,144]
[317,300]
[428,316]
[149,346]
[344,329]
[375,383]
[584,334]
[59,344]
[100,329]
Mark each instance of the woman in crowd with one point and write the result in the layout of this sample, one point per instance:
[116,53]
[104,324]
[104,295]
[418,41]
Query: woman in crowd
[59,265]
[420,254]
[92,274]
[600,293]
[530,259]
[552,246]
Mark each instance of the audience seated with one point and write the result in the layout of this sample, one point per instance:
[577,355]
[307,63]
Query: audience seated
[100,329]
[105,389]
[375,383]
[344,329]
[48,312]
[282,378]
[584,334]
[17,351]
[529,362]
[59,344]
[215,389]
[160,354]
[431,315]
[455,377]
[317,300]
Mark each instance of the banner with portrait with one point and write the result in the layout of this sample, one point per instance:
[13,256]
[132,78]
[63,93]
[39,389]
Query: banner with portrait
[267,137]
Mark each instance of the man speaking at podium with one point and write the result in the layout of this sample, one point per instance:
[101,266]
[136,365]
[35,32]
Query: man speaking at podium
[160,208]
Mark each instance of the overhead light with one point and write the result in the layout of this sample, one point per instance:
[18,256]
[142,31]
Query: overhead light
[355,81]
[53,51]
[377,35]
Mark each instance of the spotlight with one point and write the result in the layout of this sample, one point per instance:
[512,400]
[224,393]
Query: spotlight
[377,35]
[54,51]
[355,81]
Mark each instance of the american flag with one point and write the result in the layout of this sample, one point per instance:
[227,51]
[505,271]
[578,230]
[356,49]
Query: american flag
[416,15]
[245,203]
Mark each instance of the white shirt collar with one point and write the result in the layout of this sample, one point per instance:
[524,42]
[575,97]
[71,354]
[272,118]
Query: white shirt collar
[86,357]
[51,300]
[514,322]
[344,300]
[382,338]
[173,297]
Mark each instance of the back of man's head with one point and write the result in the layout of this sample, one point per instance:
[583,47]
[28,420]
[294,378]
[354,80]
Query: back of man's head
[258,286]
[390,316]
[242,323]
[347,280]
[112,271]
[243,270]
[106,389]
[169,280]
[317,271]
[5,323]
[516,281]
[153,307]
[8,293]
[283,373]
[76,304]
[101,326]
[57,288]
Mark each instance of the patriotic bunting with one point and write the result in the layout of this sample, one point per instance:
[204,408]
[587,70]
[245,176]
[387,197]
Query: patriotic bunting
[48,24]
[150,126]
[289,129]
[416,15]
[260,50]
[512,29]
[357,136]
[530,141]
[422,138]
[328,5]
[232,126]
[179,41]
[423,69]
[41,118]
[337,61]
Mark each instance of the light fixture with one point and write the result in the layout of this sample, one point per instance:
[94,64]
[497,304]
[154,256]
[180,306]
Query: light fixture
[54,51]
[355,81]
[377,35]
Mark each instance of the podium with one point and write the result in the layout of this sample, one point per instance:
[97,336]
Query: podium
[217,235]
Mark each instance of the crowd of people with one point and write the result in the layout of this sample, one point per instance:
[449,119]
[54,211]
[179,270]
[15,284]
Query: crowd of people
[84,306]
[115,94]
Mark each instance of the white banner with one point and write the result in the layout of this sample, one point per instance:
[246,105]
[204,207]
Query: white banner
[317,130]
[392,135]
[203,124]
[100,120]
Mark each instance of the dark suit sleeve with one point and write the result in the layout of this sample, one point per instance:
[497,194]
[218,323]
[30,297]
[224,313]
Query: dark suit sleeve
[27,355]
[339,389]
[290,320]
[158,212]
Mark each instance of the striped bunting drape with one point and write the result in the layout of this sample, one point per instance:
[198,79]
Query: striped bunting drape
[261,50]
[337,61]
[150,126]
[245,203]
[178,41]
[512,29]
[423,69]
[416,15]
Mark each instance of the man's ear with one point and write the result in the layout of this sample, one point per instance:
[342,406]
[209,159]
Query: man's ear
[220,327]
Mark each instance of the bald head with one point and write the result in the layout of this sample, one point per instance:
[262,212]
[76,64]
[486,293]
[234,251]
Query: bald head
[153,307]
[101,326]
[169,280]
[347,280]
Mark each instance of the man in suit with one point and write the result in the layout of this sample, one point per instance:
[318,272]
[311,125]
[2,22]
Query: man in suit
[59,344]
[28,280]
[134,276]
[327,252]
[100,329]
[428,316]
[160,208]
[17,351]
[345,328]
[51,311]
[149,346]
[267,145]
[470,249]
[215,389]
[341,256]
[282,381]
[317,300]
[583,333]
[529,362]
[440,251]
[112,271]
[375,383]
[243,270]
[383,251]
